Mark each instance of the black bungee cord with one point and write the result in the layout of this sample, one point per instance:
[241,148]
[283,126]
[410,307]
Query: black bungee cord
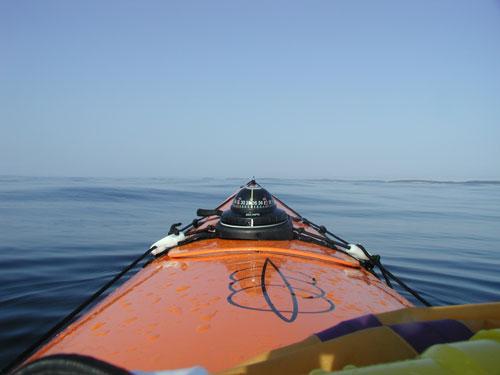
[68,318]
[374,260]
[339,243]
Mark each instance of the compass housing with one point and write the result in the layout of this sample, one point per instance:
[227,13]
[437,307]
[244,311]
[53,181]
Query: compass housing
[254,215]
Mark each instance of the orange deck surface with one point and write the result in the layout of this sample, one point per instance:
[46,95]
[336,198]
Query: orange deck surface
[216,303]
[212,311]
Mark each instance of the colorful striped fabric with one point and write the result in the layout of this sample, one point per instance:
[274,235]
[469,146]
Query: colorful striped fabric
[420,335]
[374,339]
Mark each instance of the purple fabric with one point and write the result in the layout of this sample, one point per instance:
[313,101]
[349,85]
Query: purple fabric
[421,335]
[349,326]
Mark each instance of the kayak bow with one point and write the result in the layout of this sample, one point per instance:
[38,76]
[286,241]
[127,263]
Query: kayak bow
[249,277]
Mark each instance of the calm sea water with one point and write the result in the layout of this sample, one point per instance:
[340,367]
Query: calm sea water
[62,238]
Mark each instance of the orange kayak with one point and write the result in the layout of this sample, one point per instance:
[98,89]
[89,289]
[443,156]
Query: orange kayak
[249,277]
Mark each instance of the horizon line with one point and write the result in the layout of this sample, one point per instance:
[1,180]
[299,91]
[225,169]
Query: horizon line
[332,179]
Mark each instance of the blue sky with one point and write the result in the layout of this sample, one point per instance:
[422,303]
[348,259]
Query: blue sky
[323,89]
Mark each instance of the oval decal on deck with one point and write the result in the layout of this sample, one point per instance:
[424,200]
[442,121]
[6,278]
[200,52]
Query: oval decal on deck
[265,287]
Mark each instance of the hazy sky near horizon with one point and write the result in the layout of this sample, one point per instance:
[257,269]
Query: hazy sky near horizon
[323,89]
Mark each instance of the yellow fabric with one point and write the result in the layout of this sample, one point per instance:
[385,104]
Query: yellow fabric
[284,351]
[413,367]
[473,357]
[491,334]
[479,356]
[489,313]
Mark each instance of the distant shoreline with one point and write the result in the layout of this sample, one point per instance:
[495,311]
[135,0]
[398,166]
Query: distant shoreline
[358,180]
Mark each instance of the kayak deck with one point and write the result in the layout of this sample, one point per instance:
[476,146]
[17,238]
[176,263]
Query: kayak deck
[216,303]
